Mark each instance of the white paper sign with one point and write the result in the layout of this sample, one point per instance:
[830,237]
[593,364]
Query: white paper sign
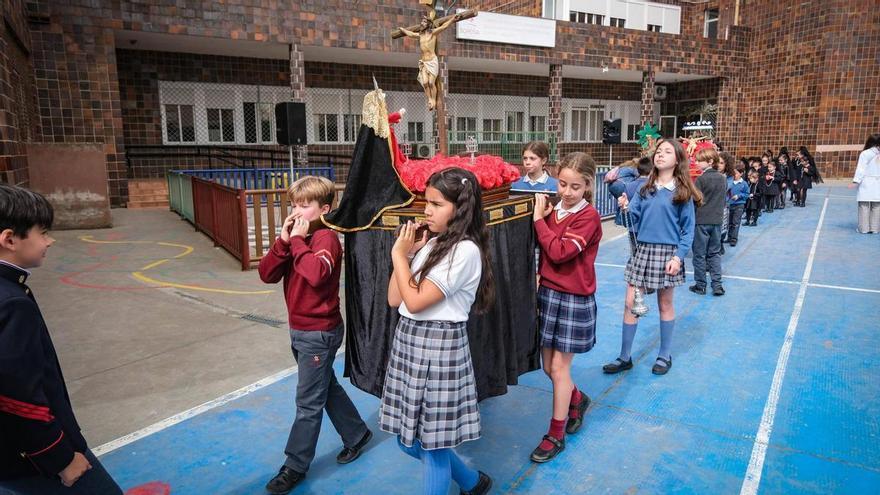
[510,29]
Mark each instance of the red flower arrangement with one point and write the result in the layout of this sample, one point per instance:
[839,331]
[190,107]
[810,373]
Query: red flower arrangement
[491,171]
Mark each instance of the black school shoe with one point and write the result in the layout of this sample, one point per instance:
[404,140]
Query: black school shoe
[347,455]
[284,481]
[574,424]
[718,291]
[484,484]
[659,368]
[540,455]
[617,366]
[698,289]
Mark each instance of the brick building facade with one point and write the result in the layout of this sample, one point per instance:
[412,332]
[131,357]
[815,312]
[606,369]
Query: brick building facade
[781,73]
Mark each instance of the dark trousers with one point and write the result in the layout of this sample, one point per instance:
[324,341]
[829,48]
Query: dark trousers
[752,216]
[780,201]
[316,390]
[802,196]
[707,254]
[734,220]
[768,203]
[95,481]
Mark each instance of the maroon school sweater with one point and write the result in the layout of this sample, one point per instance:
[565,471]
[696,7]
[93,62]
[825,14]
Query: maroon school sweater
[310,268]
[568,251]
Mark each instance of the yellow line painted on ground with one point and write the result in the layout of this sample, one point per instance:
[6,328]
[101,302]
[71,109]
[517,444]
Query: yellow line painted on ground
[143,278]
[139,275]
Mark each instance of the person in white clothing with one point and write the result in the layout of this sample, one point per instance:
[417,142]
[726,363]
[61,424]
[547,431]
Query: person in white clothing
[867,178]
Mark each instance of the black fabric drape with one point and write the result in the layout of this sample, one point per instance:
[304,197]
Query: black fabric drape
[372,186]
[503,342]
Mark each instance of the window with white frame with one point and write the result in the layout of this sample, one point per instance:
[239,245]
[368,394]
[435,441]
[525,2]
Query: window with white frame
[654,28]
[616,22]
[465,126]
[325,126]
[515,126]
[631,132]
[710,29]
[537,125]
[597,115]
[259,122]
[179,124]
[221,125]
[415,132]
[210,113]
[586,123]
[492,130]
[351,124]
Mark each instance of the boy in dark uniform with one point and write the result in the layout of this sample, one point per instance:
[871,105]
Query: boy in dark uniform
[42,450]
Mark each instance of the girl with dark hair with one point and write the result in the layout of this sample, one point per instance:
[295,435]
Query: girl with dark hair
[664,220]
[867,178]
[429,399]
[569,235]
[805,173]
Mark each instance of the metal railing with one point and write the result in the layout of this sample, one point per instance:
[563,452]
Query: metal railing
[219,212]
[507,145]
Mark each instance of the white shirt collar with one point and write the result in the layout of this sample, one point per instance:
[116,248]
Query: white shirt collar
[562,212]
[13,265]
[669,185]
[737,181]
[541,180]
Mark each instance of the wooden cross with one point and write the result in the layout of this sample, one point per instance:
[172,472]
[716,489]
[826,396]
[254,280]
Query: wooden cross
[430,63]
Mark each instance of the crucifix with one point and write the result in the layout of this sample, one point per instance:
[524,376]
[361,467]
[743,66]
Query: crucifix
[427,33]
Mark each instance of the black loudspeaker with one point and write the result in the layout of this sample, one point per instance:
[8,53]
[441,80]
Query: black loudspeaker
[290,123]
[611,131]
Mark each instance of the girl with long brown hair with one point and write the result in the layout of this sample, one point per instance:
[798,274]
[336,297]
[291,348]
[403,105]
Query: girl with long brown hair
[429,399]
[663,218]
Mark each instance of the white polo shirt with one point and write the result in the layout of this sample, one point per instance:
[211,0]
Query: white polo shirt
[457,275]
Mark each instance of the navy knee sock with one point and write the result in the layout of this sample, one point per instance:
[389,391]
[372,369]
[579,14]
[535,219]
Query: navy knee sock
[437,471]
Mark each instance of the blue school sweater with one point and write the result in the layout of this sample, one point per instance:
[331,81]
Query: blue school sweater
[740,190]
[549,186]
[657,220]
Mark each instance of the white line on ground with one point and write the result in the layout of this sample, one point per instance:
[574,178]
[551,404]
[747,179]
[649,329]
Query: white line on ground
[189,413]
[735,277]
[840,287]
[762,439]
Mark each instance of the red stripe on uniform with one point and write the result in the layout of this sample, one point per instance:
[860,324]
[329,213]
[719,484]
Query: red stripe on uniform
[25,410]
[49,447]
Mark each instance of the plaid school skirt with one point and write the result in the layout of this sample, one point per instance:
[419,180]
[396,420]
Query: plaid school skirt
[567,321]
[646,268]
[430,394]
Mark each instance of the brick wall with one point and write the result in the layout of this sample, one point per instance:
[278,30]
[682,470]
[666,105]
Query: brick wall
[18,119]
[811,80]
[74,60]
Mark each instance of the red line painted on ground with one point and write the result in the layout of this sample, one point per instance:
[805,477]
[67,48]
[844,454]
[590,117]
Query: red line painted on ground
[151,488]
[69,279]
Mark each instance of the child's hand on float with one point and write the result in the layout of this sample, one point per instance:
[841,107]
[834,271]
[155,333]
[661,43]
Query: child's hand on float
[542,207]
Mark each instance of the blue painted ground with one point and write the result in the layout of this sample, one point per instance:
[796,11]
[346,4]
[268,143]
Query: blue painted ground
[691,431]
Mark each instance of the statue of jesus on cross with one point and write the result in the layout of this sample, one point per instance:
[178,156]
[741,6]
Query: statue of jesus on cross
[429,66]
[429,77]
